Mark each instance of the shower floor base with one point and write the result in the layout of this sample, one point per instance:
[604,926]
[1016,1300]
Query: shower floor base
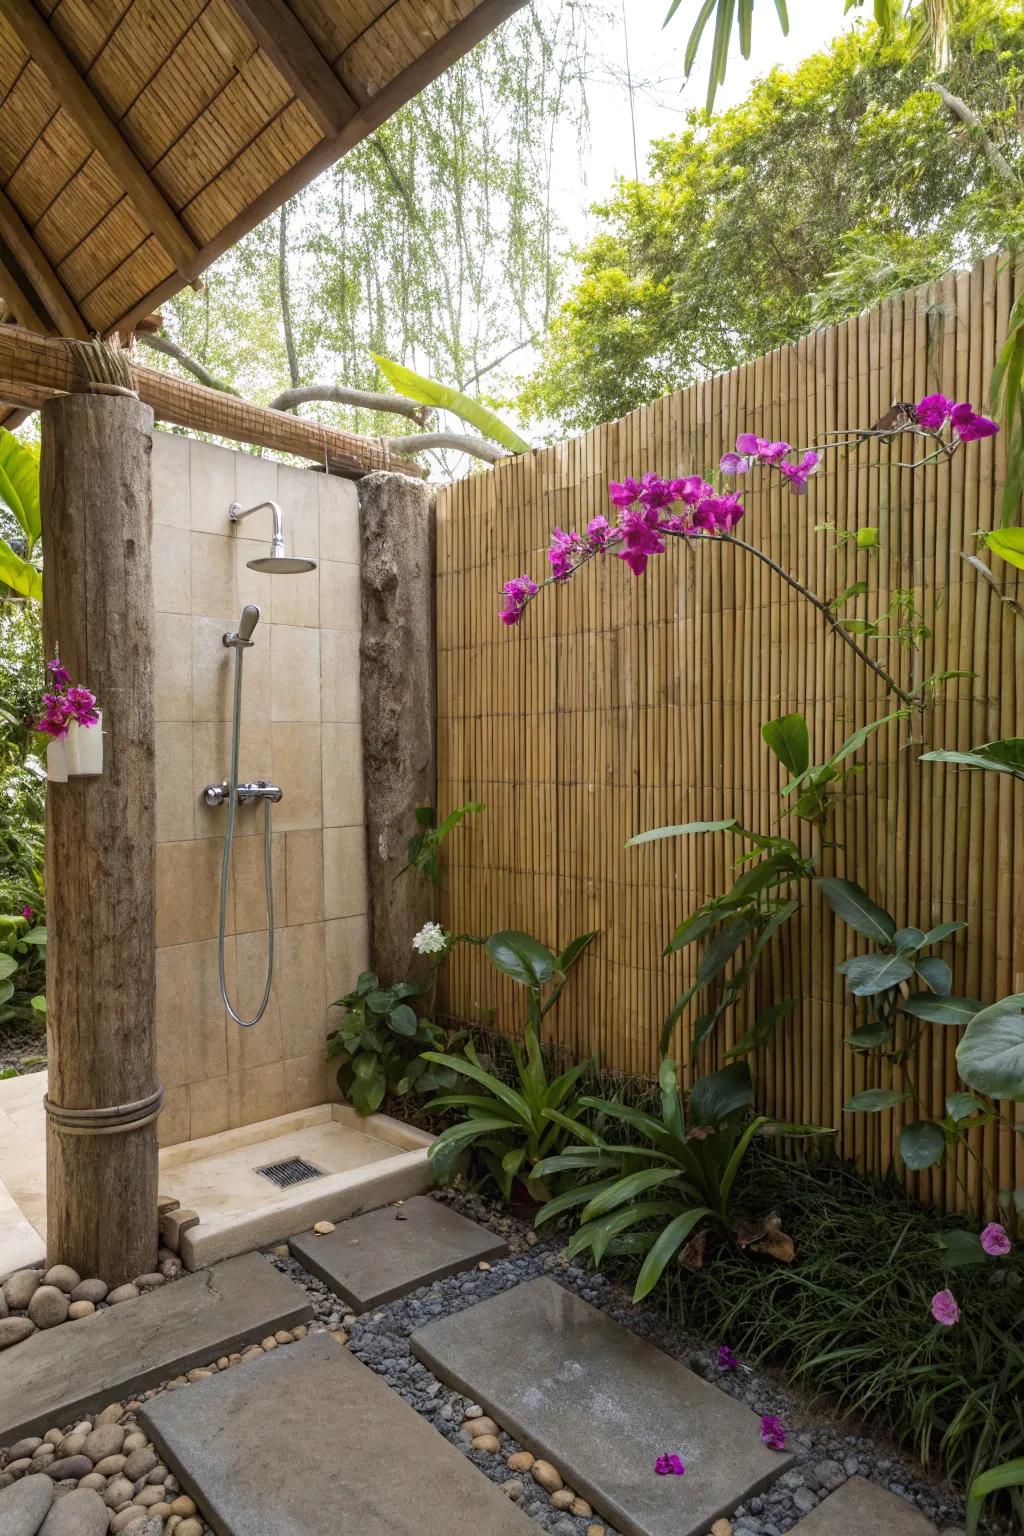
[360,1164]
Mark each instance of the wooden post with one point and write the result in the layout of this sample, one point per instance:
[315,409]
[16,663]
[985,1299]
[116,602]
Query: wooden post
[100,842]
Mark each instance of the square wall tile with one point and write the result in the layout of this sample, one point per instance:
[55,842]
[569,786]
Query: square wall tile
[297,599]
[295,757]
[347,952]
[212,669]
[172,569]
[188,891]
[169,471]
[342,775]
[304,859]
[339,676]
[252,586]
[345,889]
[212,482]
[175,808]
[191,1035]
[172,666]
[304,1082]
[255,481]
[211,758]
[297,493]
[260,1044]
[208,1105]
[213,578]
[340,596]
[248,878]
[256,1094]
[301,982]
[294,673]
[339,519]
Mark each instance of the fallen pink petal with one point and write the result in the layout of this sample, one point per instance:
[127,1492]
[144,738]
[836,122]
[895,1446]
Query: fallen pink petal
[772,1432]
[669,1465]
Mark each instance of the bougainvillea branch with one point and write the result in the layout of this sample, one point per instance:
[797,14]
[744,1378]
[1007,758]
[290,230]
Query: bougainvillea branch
[652,510]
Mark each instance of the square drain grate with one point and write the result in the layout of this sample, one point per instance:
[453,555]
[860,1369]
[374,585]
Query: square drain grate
[294,1170]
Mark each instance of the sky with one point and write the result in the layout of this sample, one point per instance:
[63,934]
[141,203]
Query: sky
[661,96]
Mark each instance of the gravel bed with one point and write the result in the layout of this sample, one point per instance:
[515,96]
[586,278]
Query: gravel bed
[22,1048]
[827,1453]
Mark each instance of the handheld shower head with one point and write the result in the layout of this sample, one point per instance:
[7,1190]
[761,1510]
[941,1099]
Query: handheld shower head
[247,623]
[277,563]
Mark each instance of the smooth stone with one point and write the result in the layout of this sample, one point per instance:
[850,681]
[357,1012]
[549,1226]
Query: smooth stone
[63,1277]
[489,1443]
[48,1306]
[80,1513]
[69,1466]
[546,1476]
[25,1447]
[149,1282]
[19,1287]
[190,1528]
[128,1516]
[860,1508]
[105,1440]
[4,1309]
[562,1498]
[149,1496]
[79,1309]
[520,1461]
[580,1507]
[135,1440]
[14,1329]
[722,1528]
[158,1474]
[73,1444]
[90,1290]
[183,1506]
[481,1426]
[118,1491]
[23,1506]
[93,1480]
[512,1488]
[113,1413]
[123,1293]
[139,1463]
[18,1468]
[110,1466]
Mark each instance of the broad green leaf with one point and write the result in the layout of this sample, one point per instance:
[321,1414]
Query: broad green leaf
[867,975]
[521,957]
[941,1010]
[8,965]
[444,398]
[685,829]
[1010,1474]
[494,1085]
[402,1020]
[960,1105]
[39,1003]
[381,1002]
[718,1095]
[6,991]
[936,973]
[856,908]
[1008,544]
[908,938]
[941,931]
[991,1054]
[960,1250]
[667,1244]
[720,950]
[789,738]
[922,1144]
[873,1100]
[19,484]
[19,574]
[869,1037]
[627,1189]
[574,949]
[1005,756]
[764,1028]
[571,1197]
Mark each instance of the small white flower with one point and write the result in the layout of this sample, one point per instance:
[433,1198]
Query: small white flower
[431,940]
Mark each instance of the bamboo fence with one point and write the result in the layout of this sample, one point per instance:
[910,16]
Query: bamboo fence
[626,703]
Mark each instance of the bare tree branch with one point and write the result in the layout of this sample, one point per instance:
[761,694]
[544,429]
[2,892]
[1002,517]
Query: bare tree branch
[497,361]
[367,400]
[170,348]
[1001,168]
[460,442]
[282,287]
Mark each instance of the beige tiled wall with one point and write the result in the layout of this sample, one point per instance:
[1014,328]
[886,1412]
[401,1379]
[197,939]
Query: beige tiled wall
[300,726]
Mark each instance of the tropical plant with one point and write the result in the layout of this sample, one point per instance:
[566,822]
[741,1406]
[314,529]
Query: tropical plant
[657,1196]
[815,785]
[22,970]
[19,496]
[380,1043]
[424,846]
[509,1129]
[443,397]
[1009,1475]
[1006,756]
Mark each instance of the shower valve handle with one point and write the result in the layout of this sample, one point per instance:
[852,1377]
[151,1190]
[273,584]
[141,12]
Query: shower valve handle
[245,794]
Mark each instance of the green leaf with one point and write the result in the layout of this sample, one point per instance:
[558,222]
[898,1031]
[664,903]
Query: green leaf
[908,938]
[873,1100]
[444,398]
[941,931]
[720,1094]
[789,738]
[574,949]
[627,1189]
[1006,756]
[867,538]
[922,1144]
[402,1020]
[381,1002]
[868,974]
[685,829]
[39,1003]
[936,973]
[991,1054]
[961,1250]
[857,910]
[941,1010]
[1010,1474]
[18,574]
[667,1244]
[869,1037]
[764,1028]
[571,1197]
[494,1085]
[6,991]
[1008,544]
[521,957]
[19,484]
[8,965]
[960,1105]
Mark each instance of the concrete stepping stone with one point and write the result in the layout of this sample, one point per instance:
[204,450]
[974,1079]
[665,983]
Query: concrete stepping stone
[860,1508]
[57,1375]
[579,1390]
[308,1440]
[384,1254]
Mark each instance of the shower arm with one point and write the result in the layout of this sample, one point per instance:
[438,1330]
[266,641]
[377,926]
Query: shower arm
[236,513]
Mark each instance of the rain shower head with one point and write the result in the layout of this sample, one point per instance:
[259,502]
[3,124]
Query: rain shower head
[277,563]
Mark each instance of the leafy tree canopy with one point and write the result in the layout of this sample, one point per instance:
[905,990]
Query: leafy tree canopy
[830,187]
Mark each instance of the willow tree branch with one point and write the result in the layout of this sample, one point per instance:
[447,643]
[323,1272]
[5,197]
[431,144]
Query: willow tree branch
[170,348]
[496,362]
[460,442]
[367,400]
[830,619]
[1000,167]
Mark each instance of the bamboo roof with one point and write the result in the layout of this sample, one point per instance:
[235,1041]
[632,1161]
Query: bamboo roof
[140,139]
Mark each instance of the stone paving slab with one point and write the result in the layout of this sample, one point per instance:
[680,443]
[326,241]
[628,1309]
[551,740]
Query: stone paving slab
[583,1392]
[307,1441]
[860,1508]
[384,1254]
[60,1373]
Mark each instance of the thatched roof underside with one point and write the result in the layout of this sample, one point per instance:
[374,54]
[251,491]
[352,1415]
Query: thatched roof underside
[139,139]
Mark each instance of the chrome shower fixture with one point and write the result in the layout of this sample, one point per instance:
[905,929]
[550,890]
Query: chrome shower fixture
[277,562]
[242,636]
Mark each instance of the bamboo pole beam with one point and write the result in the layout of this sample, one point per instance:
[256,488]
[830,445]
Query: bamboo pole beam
[298,60]
[31,364]
[36,269]
[78,99]
[19,294]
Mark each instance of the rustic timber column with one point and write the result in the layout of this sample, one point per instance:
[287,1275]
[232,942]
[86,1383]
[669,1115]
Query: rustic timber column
[100,840]
[397,685]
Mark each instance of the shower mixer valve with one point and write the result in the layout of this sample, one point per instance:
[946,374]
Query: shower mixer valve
[245,794]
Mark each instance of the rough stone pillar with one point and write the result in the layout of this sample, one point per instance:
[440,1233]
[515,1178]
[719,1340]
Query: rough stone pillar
[397,681]
[100,843]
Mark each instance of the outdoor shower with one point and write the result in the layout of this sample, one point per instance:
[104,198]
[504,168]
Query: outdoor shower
[230,791]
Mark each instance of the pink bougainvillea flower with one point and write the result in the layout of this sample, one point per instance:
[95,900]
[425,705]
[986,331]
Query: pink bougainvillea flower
[61,675]
[750,446]
[518,593]
[56,716]
[690,489]
[656,493]
[28,913]
[970,427]
[669,1465]
[933,412]
[734,463]
[799,474]
[945,1309]
[995,1241]
[641,539]
[727,1360]
[81,706]
[773,1434]
[565,547]
[599,532]
[625,494]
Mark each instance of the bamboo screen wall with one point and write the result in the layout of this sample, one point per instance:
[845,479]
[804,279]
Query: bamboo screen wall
[626,703]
